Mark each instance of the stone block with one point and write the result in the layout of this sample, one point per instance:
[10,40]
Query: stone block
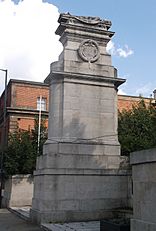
[144,190]
[139,225]
[143,156]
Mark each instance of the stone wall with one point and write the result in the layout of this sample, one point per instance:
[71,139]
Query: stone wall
[18,191]
[144,190]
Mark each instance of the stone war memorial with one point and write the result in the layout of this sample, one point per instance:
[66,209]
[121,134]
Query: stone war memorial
[78,177]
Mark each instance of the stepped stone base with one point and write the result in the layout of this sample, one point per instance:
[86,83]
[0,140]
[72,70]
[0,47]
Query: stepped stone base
[85,155]
[77,182]
[70,216]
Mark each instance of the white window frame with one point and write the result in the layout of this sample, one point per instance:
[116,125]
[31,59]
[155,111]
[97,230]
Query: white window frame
[42,102]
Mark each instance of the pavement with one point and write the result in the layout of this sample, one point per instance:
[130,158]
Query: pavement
[74,226]
[11,222]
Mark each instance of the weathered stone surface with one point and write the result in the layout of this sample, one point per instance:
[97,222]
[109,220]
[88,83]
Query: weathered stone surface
[139,225]
[77,177]
[143,156]
[144,189]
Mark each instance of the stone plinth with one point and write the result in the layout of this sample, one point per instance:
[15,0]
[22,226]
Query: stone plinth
[69,195]
[77,177]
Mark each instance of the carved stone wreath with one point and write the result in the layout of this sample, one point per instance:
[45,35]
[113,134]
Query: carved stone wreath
[89,50]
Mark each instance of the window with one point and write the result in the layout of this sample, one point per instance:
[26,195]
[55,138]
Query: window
[41,103]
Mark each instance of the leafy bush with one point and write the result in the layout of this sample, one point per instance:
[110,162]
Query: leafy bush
[137,128]
[22,150]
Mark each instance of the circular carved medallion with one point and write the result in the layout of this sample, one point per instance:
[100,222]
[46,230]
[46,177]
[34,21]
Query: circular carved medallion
[89,50]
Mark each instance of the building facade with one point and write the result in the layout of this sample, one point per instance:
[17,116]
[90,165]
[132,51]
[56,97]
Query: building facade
[125,102]
[24,101]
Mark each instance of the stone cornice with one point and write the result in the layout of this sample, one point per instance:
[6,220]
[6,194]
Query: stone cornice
[62,75]
[81,23]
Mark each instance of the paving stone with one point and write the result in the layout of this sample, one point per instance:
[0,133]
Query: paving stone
[75,226]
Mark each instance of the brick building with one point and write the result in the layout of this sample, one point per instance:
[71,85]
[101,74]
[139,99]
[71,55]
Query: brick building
[24,99]
[126,101]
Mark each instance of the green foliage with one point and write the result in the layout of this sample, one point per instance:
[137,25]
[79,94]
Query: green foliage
[21,153]
[137,128]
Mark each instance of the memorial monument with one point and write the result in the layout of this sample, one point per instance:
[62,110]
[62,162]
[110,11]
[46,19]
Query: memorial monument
[77,176]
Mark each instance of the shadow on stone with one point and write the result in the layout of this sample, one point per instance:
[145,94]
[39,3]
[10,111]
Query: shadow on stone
[118,224]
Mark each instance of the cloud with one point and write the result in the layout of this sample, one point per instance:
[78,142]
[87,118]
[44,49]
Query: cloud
[121,92]
[121,52]
[111,48]
[28,43]
[124,52]
[145,90]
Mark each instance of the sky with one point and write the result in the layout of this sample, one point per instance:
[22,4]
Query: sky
[28,43]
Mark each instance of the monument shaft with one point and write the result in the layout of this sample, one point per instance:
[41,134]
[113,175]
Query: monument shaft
[82,153]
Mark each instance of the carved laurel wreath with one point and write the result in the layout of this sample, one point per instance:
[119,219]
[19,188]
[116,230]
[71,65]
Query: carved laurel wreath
[89,50]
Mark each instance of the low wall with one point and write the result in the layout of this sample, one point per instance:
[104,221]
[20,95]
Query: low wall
[18,191]
[144,190]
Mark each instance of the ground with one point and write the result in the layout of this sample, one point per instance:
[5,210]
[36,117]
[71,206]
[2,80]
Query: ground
[11,222]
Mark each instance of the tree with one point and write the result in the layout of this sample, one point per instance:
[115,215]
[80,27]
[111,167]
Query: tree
[137,128]
[21,153]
